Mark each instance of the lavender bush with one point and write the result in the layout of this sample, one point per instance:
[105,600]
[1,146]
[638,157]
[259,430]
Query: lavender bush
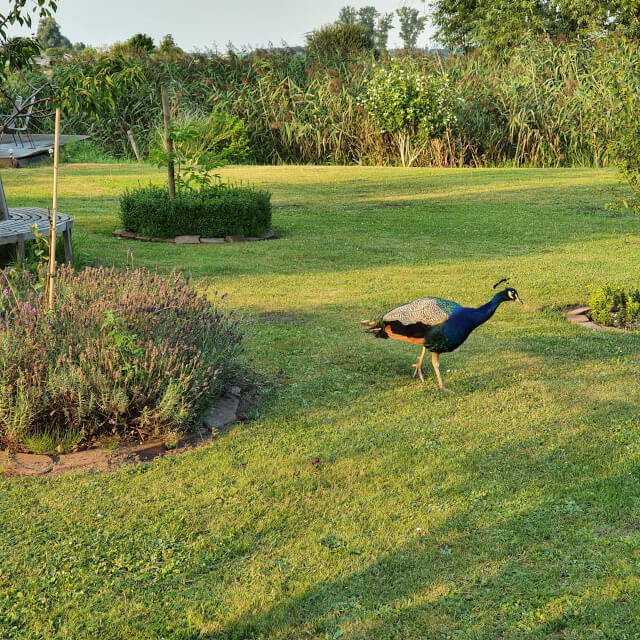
[127,352]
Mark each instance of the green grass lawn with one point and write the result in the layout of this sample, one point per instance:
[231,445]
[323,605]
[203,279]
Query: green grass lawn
[508,510]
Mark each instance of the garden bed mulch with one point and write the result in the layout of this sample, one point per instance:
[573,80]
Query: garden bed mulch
[130,235]
[580,316]
[233,406]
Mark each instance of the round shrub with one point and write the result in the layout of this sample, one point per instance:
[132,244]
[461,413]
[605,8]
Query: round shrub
[131,353]
[215,211]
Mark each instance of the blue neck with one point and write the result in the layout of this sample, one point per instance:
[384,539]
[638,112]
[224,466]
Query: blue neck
[483,313]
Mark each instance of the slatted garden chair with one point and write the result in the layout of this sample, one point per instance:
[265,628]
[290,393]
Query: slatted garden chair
[16,223]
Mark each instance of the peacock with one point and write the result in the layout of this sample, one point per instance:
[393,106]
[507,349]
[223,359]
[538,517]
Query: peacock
[438,325]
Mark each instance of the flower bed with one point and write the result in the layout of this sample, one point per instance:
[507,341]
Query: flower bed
[127,353]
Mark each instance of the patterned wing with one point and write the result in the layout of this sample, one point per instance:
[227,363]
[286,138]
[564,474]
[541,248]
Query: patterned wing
[428,311]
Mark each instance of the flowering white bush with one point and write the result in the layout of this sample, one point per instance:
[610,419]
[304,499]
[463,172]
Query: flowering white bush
[411,106]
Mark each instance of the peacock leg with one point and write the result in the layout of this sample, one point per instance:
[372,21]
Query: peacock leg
[417,367]
[435,361]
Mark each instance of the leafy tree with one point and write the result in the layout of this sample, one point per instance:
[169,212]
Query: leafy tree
[17,53]
[367,18]
[409,105]
[412,24]
[49,35]
[377,31]
[141,42]
[502,23]
[348,15]
[385,22]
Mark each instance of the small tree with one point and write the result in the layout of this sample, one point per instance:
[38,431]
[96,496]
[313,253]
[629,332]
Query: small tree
[412,24]
[141,42]
[410,106]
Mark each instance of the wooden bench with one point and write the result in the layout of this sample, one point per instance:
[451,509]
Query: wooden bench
[16,223]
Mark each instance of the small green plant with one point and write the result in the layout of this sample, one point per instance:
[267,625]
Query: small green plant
[125,342]
[200,146]
[410,105]
[614,306]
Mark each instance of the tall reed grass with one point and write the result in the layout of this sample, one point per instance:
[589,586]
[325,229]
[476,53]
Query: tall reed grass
[547,104]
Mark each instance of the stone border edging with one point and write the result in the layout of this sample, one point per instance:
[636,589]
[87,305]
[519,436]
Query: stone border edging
[131,235]
[215,422]
[579,316]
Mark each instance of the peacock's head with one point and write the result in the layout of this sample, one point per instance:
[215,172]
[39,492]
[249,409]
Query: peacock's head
[510,294]
[507,294]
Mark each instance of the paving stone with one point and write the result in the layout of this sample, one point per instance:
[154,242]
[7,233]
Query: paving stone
[212,240]
[26,464]
[127,234]
[149,450]
[580,311]
[234,238]
[222,414]
[187,239]
[577,319]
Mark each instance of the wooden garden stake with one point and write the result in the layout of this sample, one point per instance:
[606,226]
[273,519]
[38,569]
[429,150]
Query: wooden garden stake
[134,146]
[52,232]
[168,144]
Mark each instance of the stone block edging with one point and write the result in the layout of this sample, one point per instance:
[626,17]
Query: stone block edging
[131,235]
[579,316]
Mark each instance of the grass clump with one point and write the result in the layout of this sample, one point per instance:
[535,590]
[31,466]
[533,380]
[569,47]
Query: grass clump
[614,306]
[126,352]
[214,211]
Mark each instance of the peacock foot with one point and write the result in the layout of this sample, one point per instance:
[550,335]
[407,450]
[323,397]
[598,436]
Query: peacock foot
[447,390]
[417,371]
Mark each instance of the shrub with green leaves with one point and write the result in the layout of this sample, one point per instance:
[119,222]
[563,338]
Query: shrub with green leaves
[410,105]
[614,306]
[201,145]
[214,211]
[127,352]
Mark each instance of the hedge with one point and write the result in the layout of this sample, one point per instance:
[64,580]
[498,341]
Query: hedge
[211,213]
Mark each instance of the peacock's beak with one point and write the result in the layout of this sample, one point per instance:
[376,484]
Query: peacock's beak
[518,299]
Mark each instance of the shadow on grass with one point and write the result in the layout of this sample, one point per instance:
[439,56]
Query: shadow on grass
[494,569]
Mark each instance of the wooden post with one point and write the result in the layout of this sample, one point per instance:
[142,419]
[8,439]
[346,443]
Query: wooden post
[52,245]
[168,144]
[134,146]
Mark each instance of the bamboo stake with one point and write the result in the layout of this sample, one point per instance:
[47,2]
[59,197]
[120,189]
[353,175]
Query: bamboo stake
[52,235]
[168,144]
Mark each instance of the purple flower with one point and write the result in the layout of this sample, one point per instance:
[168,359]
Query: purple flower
[5,293]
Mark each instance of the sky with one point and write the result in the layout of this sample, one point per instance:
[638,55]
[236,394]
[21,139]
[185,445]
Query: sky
[201,24]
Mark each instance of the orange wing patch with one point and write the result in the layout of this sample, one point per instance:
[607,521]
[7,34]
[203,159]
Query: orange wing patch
[398,336]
